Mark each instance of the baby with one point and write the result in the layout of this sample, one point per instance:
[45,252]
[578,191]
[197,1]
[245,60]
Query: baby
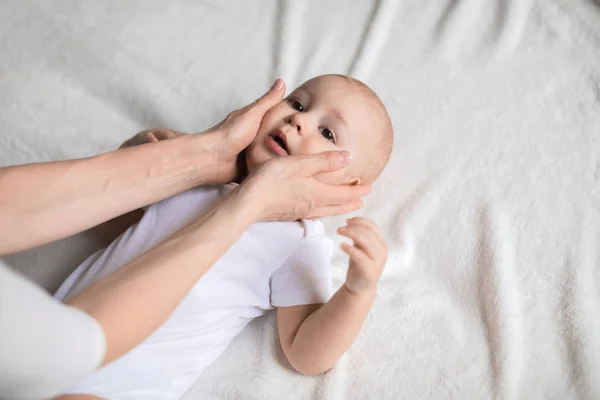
[282,265]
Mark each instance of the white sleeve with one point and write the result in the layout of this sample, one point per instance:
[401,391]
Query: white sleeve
[305,277]
[45,346]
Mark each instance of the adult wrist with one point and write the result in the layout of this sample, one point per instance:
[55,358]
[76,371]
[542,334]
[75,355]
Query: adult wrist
[251,205]
[212,163]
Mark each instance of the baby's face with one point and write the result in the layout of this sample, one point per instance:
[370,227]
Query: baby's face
[326,113]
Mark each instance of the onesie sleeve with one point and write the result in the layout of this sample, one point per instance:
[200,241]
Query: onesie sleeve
[305,277]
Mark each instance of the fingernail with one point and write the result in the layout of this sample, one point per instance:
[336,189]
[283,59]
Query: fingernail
[345,157]
[278,85]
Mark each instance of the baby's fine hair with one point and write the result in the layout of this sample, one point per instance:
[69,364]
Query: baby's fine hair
[385,130]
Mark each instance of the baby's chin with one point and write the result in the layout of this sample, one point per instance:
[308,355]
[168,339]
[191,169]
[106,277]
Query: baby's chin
[251,161]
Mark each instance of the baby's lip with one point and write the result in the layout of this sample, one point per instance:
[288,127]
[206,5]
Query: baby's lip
[277,142]
[279,133]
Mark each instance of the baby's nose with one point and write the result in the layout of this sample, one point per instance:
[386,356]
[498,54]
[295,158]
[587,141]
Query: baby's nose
[295,122]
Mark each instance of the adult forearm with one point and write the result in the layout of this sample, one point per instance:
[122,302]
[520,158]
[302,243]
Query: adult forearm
[171,269]
[328,332]
[44,202]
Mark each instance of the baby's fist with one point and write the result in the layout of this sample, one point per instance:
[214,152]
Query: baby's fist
[368,254]
[150,136]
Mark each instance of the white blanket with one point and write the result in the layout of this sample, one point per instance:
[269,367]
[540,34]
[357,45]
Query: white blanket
[491,202]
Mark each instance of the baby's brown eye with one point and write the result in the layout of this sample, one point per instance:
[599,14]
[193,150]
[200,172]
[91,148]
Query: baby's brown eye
[296,105]
[327,134]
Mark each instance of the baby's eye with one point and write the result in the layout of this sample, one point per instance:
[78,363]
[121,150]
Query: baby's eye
[296,105]
[327,134]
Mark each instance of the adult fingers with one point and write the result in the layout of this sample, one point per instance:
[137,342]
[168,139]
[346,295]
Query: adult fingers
[328,194]
[331,195]
[330,211]
[268,100]
[313,164]
[329,161]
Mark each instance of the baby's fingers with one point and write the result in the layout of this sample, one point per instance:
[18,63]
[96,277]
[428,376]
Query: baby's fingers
[149,137]
[143,137]
[372,225]
[363,221]
[363,237]
[164,134]
[356,255]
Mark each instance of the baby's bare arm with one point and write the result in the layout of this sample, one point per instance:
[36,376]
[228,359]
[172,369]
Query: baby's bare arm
[314,337]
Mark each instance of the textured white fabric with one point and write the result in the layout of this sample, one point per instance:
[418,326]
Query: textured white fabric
[272,264]
[489,204]
[45,346]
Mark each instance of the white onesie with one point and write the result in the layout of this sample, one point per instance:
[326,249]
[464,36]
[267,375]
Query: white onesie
[273,264]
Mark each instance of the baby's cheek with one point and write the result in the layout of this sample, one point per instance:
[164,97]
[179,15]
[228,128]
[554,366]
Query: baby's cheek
[255,155]
[316,146]
[267,124]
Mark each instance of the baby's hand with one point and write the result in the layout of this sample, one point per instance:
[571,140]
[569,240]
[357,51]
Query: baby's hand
[368,254]
[150,136]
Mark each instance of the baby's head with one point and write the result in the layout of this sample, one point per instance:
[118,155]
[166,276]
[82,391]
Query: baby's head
[329,112]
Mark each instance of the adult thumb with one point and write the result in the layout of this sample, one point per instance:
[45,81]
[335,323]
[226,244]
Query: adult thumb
[329,161]
[271,98]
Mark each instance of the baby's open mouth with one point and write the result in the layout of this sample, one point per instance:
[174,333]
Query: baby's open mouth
[279,140]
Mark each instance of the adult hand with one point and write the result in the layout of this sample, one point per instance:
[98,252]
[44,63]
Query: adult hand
[288,188]
[230,136]
[239,128]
